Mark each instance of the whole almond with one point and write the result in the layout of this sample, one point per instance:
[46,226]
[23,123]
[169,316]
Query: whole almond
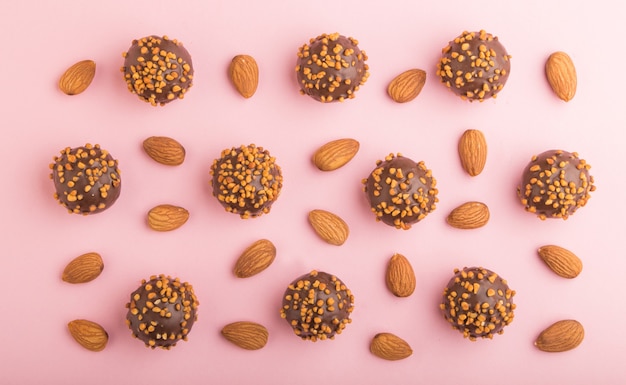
[390,347]
[167,217]
[472,150]
[407,86]
[164,150]
[88,334]
[84,268]
[469,215]
[400,277]
[335,154]
[562,261]
[561,336]
[561,75]
[244,73]
[78,77]
[255,258]
[330,227]
[247,335]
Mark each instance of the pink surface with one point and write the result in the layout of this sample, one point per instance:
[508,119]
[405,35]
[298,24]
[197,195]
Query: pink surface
[43,38]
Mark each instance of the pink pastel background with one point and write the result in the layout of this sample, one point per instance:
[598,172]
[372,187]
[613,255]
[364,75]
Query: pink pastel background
[42,39]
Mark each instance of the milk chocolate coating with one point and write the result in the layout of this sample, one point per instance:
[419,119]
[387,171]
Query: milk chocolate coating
[555,184]
[158,69]
[317,306]
[478,303]
[162,311]
[86,179]
[331,68]
[475,66]
[400,191]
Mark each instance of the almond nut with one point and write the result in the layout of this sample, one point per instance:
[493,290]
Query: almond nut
[335,154]
[78,77]
[562,261]
[254,259]
[407,86]
[167,217]
[400,276]
[330,227]
[164,150]
[244,73]
[561,336]
[561,75]
[472,150]
[88,334]
[390,347]
[469,215]
[247,335]
[84,268]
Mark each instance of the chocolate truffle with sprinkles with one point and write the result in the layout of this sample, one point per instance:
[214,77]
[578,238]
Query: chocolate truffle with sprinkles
[555,184]
[158,69]
[475,66]
[478,303]
[400,191]
[246,180]
[331,68]
[86,178]
[162,311]
[317,306]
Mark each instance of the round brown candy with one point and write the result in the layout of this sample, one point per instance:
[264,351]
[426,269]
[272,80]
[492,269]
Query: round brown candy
[400,191]
[317,306]
[162,311]
[87,179]
[158,69]
[555,184]
[246,180]
[474,66]
[331,68]
[478,303]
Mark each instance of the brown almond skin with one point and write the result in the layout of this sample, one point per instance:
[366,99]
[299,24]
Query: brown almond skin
[244,74]
[78,77]
[330,227]
[335,154]
[84,268]
[561,261]
[390,347]
[400,277]
[88,334]
[247,335]
[164,150]
[561,75]
[469,215]
[472,149]
[407,86]
[255,258]
[561,336]
[167,217]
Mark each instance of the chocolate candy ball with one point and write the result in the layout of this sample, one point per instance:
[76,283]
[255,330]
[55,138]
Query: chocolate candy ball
[555,184]
[246,180]
[317,306]
[474,66]
[86,179]
[400,191]
[158,69]
[478,303]
[162,311]
[331,68]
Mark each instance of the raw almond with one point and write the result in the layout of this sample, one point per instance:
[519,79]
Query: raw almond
[335,154]
[88,334]
[164,150]
[247,335]
[469,215]
[330,227]
[167,217]
[390,347]
[244,73]
[78,77]
[254,259]
[472,150]
[561,336]
[407,86]
[561,75]
[400,276]
[84,268]
[562,261]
